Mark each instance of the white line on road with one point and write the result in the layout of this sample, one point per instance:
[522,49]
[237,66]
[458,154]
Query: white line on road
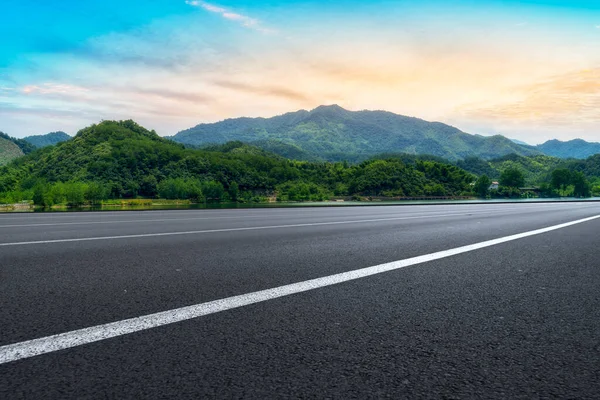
[49,344]
[250,228]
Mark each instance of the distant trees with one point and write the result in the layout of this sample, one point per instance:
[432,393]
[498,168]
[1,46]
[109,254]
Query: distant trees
[234,191]
[482,186]
[570,182]
[180,189]
[512,178]
[561,178]
[581,187]
[116,160]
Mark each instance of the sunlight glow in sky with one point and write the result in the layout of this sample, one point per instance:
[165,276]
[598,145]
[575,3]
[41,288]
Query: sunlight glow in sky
[529,70]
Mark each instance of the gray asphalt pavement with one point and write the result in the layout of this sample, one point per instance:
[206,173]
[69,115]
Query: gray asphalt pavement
[519,319]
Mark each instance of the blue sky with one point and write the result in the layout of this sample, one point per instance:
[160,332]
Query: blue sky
[526,69]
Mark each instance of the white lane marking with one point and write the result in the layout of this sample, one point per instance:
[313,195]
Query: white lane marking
[62,341]
[250,228]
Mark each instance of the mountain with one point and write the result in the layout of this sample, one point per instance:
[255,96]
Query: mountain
[333,133]
[576,148]
[25,146]
[8,151]
[121,159]
[520,142]
[49,139]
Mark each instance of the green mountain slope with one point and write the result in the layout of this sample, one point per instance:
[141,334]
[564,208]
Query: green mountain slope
[576,148]
[25,146]
[8,151]
[537,169]
[333,133]
[49,139]
[124,160]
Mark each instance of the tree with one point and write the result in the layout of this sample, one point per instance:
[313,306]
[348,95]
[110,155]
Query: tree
[512,177]
[95,193]
[482,186]
[234,190]
[561,178]
[581,187]
[213,190]
[75,193]
[149,186]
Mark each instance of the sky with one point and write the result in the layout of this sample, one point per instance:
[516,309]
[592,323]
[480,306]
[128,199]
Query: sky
[527,69]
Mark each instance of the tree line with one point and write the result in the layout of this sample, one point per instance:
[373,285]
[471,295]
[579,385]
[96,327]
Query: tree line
[122,160]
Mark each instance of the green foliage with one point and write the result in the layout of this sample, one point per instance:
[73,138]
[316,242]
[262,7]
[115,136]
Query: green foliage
[8,151]
[96,193]
[303,191]
[581,187]
[334,134]
[234,191]
[213,190]
[576,148]
[50,139]
[508,192]
[24,145]
[122,160]
[561,178]
[75,193]
[512,178]
[482,186]
[180,188]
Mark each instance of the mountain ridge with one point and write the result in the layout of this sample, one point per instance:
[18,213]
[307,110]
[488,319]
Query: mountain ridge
[49,139]
[332,133]
[575,148]
[8,151]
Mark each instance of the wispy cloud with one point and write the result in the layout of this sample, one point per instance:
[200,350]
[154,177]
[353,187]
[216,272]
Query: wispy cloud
[275,91]
[571,99]
[52,88]
[244,20]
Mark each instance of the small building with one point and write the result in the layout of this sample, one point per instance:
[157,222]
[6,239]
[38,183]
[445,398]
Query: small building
[494,186]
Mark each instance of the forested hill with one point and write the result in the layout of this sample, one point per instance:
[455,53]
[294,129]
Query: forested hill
[576,148]
[124,160]
[48,139]
[25,146]
[537,169]
[333,133]
[8,151]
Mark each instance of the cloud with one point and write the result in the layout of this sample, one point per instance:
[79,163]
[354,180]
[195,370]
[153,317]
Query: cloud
[244,20]
[52,88]
[275,91]
[567,100]
[177,96]
[18,109]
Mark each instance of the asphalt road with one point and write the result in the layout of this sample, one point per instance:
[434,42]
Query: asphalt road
[517,319]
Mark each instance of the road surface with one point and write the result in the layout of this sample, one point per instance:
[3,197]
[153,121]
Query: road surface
[445,301]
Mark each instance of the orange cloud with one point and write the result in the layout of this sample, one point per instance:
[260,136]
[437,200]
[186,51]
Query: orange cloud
[268,90]
[567,99]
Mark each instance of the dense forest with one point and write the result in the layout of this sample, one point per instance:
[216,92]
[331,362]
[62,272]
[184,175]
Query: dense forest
[540,171]
[48,139]
[124,160]
[8,150]
[331,133]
